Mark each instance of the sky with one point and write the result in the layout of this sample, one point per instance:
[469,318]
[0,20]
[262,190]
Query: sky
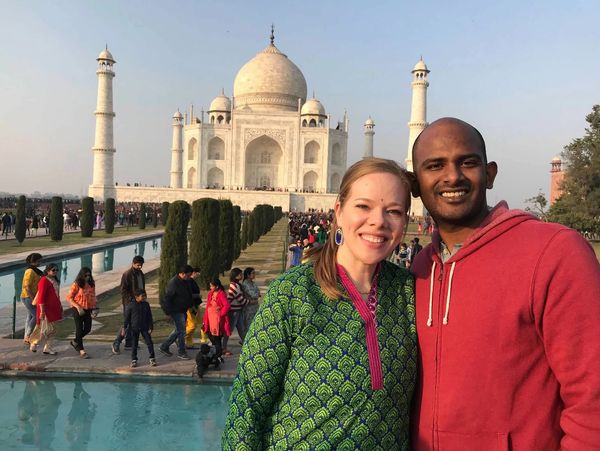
[524,73]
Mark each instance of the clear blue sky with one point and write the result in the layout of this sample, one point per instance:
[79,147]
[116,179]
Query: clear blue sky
[524,73]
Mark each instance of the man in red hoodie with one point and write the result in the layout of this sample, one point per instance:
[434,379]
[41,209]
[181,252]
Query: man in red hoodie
[508,313]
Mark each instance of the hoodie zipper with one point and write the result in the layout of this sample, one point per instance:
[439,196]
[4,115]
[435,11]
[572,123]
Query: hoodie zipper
[438,340]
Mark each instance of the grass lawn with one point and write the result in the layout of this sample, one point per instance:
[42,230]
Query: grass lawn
[39,243]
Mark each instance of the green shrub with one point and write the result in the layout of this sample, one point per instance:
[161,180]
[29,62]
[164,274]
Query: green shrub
[237,224]
[164,213]
[251,227]
[174,244]
[244,234]
[109,215]
[87,217]
[204,239]
[142,224]
[225,234]
[56,219]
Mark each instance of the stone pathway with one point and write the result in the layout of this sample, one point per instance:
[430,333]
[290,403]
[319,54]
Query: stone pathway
[267,256]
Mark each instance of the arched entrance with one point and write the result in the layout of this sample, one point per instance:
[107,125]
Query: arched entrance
[264,164]
[310,182]
[215,178]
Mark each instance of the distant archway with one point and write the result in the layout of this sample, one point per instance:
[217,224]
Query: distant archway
[335,183]
[311,153]
[215,178]
[264,164]
[336,154]
[191,178]
[216,149]
[310,181]
[192,149]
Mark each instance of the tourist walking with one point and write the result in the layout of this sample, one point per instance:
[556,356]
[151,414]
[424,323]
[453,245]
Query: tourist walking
[237,303]
[175,303]
[330,358]
[82,298]
[252,294]
[191,321]
[29,289]
[216,318]
[132,280]
[48,311]
[139,320]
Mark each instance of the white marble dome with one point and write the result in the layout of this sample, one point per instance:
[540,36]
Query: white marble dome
[420,66]
[105,55]
[269,81]
[314,107]
[220,103]
[177,115]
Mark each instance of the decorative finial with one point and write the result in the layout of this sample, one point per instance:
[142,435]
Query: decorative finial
[313,93]
[106,46]
[272,37]
[222,91]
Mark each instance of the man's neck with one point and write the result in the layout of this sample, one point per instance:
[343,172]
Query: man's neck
[453,234]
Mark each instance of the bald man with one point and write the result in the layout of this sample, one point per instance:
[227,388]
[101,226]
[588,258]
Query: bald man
[508,313]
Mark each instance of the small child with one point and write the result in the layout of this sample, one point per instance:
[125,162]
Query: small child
[139,318]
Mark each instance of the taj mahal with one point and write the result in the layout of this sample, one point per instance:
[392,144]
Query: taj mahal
[268,143]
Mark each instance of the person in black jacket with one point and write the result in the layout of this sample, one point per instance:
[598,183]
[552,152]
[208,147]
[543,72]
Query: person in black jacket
[175,303]
[132,280]
[192,314]
[139,320]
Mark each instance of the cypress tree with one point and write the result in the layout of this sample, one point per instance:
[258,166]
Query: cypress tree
[142,216]
[56,219]
[87,216]
[244,234]
[237,224]
[251,228]
[204,239]
[174,244]
[154,218]
[109,215]
[226,234]
[20,226]
[164,213]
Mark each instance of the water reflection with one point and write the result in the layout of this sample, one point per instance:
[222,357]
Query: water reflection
[78,427]
[37,411]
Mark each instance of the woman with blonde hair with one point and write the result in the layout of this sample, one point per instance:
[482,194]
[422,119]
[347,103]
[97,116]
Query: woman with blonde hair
[330,359]
[48,310]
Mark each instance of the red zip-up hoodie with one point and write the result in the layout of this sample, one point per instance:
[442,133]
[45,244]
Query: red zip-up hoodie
[509,340]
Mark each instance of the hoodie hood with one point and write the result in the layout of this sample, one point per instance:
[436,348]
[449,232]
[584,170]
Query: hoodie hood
[497,222]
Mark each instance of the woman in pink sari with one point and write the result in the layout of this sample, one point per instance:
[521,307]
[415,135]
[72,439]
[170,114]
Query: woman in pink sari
[216,319]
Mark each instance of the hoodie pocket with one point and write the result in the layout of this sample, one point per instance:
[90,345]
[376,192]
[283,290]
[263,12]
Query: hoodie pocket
[480,441]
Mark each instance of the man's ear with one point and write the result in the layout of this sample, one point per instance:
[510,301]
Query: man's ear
[414,184]
[491,171]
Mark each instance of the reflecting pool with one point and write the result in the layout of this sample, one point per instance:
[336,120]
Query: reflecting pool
[63,414]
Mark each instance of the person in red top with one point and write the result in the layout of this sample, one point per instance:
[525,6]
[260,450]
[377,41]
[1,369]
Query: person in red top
[508,309]
[48,310]
[216,319]
[82,298]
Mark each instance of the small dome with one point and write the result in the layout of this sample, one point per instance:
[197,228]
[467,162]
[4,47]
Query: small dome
[556,159]
[420,66]
[105,55]
[313,106]
[220,103]
[369,121]
[177,115]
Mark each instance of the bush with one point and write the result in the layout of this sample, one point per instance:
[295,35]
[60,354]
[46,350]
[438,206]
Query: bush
[142,224]
[20,226]
[204,239]
[87,217]
[225,234]
[244,234]
[174,244]
[237,224]
[164,213]
[109,215]
[56,219]
[154,218]
[251,226]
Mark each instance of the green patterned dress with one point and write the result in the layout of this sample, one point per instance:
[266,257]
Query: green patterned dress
[303,378]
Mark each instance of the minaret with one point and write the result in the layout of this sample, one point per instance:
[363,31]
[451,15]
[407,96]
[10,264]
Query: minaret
[103,185]
[557,175]
[418,120]
[369,132]
[177,151]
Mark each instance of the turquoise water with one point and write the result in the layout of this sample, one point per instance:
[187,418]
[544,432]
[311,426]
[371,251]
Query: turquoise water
[108,415]
[101,260]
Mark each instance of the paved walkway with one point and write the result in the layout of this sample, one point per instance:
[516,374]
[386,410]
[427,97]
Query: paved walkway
[266,256]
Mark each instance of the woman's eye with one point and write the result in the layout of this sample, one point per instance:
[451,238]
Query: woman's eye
[395,212]
[362,206]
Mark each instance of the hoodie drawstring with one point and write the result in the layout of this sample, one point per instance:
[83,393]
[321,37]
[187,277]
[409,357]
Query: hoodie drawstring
[430,318]
[448,295]
[447,311]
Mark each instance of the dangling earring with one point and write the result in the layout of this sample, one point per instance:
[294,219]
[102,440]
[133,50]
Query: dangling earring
[339,236]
